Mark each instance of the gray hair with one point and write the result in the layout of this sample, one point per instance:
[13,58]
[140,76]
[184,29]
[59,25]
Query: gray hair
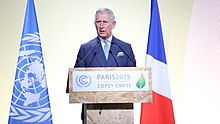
[106,10]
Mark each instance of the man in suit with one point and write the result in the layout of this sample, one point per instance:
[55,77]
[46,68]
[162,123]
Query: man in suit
[105,50]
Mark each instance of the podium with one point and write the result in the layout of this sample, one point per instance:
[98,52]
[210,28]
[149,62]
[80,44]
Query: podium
[109,93]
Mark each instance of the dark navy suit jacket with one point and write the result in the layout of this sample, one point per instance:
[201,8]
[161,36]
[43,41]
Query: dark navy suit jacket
[91,54]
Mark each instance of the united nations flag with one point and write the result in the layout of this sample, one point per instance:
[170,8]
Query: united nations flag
[30,99]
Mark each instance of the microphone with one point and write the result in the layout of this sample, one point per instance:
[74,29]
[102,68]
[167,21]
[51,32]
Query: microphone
[92,58]
[89,52]
[124,52]
[114,58]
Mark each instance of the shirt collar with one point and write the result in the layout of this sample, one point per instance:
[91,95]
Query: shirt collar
[109,39]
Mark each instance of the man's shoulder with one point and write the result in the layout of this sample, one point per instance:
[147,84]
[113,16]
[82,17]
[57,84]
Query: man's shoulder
[118,41]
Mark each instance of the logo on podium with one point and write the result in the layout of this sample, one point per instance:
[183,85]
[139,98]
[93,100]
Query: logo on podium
[83,80]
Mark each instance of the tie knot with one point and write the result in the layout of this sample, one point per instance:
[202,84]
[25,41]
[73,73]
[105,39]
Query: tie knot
[105,41]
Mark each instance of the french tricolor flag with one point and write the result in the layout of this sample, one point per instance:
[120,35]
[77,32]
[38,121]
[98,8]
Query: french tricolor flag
[160,111]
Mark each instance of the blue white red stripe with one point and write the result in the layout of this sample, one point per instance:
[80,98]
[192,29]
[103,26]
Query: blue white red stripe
[160,111]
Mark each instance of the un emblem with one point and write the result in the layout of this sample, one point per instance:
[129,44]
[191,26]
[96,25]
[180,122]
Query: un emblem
[30,100]
[83,80]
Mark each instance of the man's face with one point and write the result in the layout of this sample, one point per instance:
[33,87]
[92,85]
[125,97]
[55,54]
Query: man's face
[104,26]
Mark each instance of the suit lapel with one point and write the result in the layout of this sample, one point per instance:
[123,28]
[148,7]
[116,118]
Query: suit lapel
[110,61]
[100,56]
[112,58]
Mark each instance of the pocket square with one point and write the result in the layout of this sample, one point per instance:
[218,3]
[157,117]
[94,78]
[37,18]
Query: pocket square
[120,54]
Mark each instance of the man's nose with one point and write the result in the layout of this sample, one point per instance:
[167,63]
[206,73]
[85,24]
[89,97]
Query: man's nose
[101,25]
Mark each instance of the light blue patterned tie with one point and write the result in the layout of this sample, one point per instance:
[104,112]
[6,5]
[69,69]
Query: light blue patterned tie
[106,49]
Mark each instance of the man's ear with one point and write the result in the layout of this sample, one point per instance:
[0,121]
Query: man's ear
[113,24]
